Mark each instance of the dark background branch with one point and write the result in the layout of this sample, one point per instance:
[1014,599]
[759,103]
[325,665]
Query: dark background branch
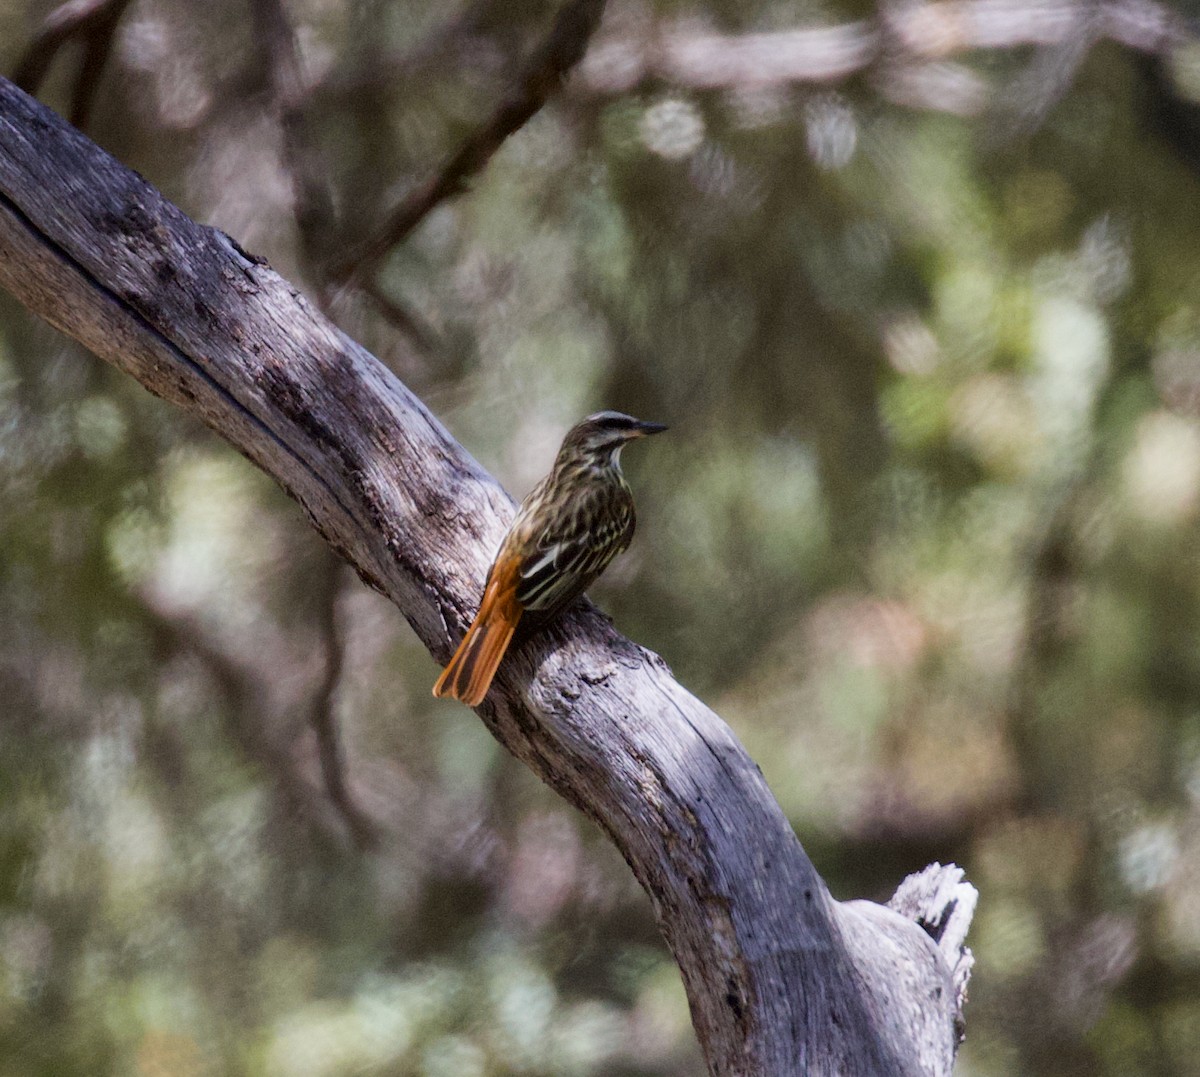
[91,23]
[540,77]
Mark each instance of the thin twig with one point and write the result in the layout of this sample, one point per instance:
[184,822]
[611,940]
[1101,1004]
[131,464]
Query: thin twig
[94,22]
[543,73]
[1052,571]
[400,317]
[245,695]
[323,716]
[312,198]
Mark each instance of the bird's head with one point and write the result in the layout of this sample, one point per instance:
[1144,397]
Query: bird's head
[599,438]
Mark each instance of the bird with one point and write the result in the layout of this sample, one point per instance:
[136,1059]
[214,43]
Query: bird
[572,524]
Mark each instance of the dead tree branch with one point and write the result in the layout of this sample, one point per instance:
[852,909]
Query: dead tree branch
[782,979]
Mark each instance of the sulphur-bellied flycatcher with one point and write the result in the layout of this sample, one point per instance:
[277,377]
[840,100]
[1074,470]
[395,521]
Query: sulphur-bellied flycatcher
[572,524]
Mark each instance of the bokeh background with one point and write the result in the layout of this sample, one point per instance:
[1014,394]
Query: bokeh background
[925,321]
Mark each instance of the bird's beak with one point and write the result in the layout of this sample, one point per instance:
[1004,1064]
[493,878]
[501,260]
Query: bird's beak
[643,430]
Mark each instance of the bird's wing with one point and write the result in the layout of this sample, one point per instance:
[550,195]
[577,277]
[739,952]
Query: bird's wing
[571,551]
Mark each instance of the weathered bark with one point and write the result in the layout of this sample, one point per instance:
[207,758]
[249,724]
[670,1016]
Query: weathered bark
[782,979]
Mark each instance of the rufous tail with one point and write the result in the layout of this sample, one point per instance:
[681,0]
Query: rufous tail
[470,672]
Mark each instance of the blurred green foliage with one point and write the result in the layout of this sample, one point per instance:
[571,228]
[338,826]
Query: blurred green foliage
[924,532]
